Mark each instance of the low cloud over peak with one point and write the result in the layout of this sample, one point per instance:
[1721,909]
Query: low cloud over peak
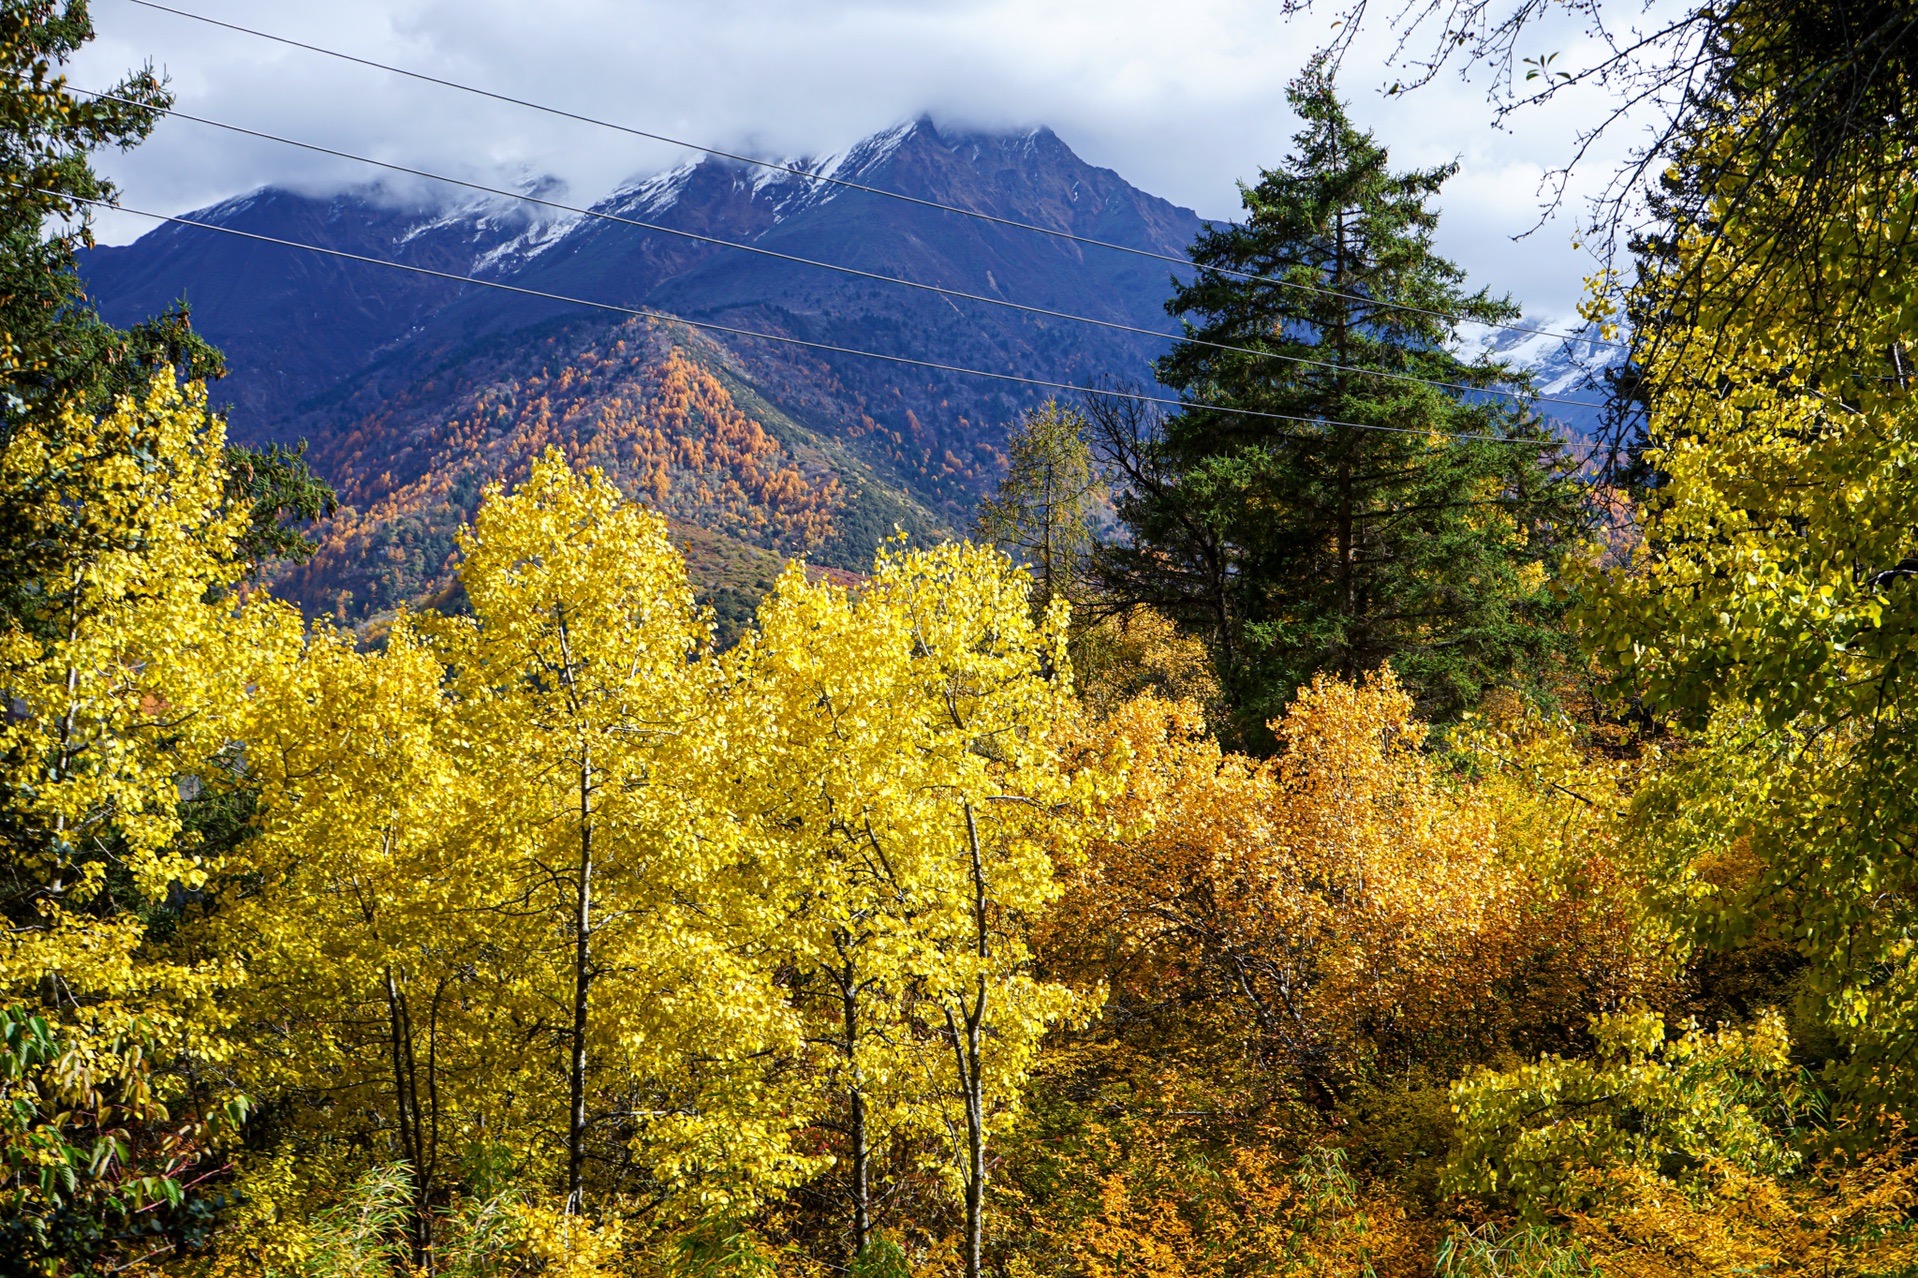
[1183,114]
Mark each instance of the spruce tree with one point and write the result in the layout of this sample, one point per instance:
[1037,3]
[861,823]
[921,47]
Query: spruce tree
[53,348]
[1395,508]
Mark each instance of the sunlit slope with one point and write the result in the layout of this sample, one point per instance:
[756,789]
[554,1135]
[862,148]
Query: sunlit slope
[663,410]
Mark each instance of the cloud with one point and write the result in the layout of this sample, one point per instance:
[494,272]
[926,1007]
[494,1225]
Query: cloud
[1182,100]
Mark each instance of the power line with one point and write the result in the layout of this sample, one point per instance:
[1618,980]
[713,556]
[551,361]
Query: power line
[1047,312]
[640,312]
[811,176]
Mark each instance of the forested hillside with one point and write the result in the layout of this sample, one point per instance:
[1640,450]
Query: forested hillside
[1328,824]
[374,366]
[658,408]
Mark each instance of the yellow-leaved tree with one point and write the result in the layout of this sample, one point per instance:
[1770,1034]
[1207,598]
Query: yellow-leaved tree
[124,668]
[592,712]
[1768,614]
[908,735]
[370,999]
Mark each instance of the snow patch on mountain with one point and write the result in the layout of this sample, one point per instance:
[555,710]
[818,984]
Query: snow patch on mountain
[1568,363]
[474,217]
[781,175]
[650,196]
[873,151]
[1561,358]
[529,244]
[225,210]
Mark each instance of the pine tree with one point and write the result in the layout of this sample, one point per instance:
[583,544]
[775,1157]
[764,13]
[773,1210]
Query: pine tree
[1408,514]
[52,347]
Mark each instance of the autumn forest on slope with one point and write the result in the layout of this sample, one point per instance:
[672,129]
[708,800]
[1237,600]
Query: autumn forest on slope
[587,743]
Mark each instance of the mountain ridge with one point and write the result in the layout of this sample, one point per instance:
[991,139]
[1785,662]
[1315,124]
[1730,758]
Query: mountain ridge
[415,390]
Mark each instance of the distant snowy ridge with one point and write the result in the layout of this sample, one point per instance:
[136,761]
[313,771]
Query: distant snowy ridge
[1562,359]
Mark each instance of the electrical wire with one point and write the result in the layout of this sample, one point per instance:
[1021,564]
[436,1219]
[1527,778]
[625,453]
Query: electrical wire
[640,312]
[811,176]
[1527,397]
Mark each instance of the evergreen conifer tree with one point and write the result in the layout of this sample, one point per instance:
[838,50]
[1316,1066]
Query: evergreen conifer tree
[1408,514]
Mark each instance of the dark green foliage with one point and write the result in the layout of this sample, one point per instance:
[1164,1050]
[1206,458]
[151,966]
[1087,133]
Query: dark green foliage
[882,1258]
[871,513]
[722,1249]
[276,485]
[50,345]
[93,1164]
[1310,545]
[1533,1250]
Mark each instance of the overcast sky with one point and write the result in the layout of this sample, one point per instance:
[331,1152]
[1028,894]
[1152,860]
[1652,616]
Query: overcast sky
[1181,99]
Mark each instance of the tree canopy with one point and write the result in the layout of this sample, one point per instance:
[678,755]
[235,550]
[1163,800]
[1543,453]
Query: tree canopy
[1376,878]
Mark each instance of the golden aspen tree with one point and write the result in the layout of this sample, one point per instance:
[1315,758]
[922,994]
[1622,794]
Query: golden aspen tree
[124,675]
[592,711]
[987,696]
[919,791]
[826,768]
[354,907]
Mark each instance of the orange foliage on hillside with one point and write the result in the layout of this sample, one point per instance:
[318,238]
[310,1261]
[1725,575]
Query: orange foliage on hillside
[633,404]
